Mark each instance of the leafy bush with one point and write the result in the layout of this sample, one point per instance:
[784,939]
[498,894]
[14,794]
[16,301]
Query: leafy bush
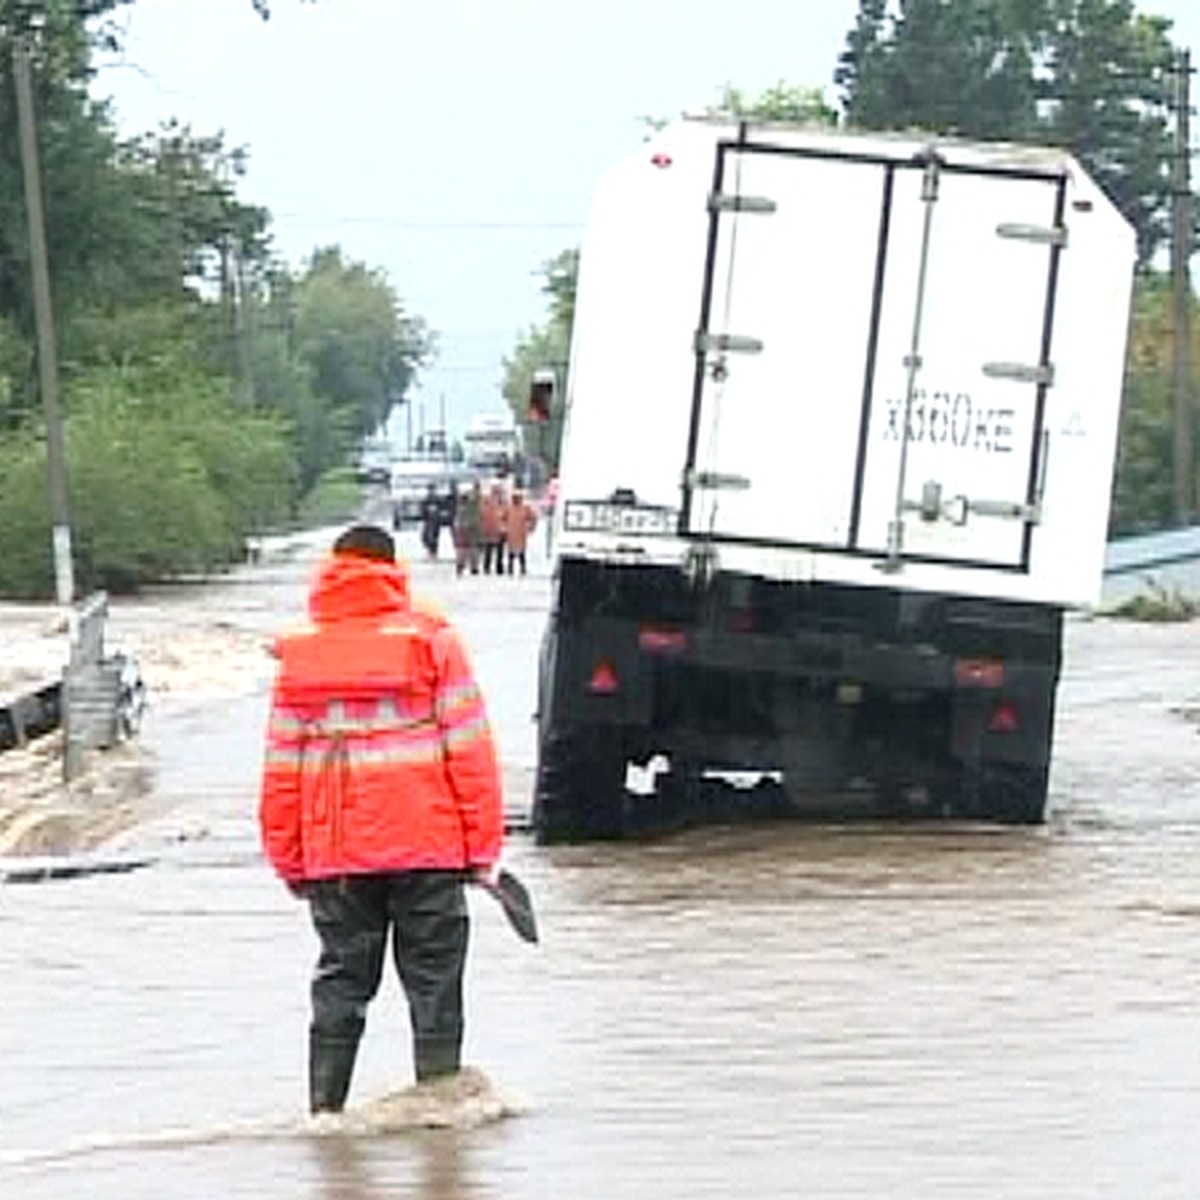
[159,488]
[1158,603]
[26,561]
[336,497]
[248,458]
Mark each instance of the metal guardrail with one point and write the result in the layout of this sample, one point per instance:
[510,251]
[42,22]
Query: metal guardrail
[1146,552]
[89,688]
[30,716]
[103,695]
[1166,562]
[98,703]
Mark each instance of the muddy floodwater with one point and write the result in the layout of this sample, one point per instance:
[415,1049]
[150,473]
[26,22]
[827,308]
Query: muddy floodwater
[785,1011]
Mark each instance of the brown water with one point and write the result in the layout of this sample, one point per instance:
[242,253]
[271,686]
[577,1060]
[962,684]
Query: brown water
[760,1012]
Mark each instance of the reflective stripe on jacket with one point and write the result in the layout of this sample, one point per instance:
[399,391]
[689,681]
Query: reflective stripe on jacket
[379,754]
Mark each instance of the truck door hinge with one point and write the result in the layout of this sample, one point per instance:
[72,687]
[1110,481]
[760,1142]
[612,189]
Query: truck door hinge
[1041,235]
[1013,510]
[726,343]
[719,202]
[715,480]
[1042,375]
[956,509]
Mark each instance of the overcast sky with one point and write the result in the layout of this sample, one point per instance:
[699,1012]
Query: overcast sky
[454,144]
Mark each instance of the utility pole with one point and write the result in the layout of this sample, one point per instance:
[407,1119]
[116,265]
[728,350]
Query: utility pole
[64,581]
[1181,295]
[243,332]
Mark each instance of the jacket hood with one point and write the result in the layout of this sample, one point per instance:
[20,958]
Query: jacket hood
[349,586]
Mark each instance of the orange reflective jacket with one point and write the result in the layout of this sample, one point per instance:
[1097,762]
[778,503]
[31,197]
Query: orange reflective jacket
[379,754]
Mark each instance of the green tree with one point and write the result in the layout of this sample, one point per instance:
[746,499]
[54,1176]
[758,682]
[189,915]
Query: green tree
[15,369]
[75,148]
[185,206]
[168,476]
[125,223]
[206,387]
[362,349]
[1108,100]
[964,67]
[545,347]
[1143,491]
[782,102]
[66,30]
[1089,75]
[562,276]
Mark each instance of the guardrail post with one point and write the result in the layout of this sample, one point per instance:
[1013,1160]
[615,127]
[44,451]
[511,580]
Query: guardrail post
[91,687]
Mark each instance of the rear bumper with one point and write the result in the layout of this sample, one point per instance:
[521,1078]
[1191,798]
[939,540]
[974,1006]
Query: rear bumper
[820,678]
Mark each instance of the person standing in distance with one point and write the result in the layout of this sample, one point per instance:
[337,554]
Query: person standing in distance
[494,515]
[432,512]
[381,795]
[519,524]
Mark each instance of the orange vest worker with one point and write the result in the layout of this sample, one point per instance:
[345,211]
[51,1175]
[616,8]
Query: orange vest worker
[380,791]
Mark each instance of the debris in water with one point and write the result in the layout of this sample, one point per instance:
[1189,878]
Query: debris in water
[463,1101]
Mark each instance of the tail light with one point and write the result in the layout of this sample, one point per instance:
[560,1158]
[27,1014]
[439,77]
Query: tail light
[604,679]
[978,673]
[661,641]
[1005,719]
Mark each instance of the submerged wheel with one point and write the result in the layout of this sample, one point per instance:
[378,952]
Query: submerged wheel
[579,792]
[1014,794]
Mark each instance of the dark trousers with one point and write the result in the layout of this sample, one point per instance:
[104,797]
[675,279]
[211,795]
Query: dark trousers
[426,914]
[515,557]
[493,552]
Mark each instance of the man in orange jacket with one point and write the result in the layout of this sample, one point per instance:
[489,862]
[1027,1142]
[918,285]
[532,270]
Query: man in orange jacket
[380,795]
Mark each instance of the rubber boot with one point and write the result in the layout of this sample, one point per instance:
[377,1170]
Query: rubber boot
[330,1066]
[433,1057]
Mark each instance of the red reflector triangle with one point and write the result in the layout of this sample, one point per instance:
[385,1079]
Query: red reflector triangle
[1004,720]
[604,679]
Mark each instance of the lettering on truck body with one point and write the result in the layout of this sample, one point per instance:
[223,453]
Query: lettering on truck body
[954,420]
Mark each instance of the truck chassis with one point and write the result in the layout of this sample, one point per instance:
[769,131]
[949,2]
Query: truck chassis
[847,701]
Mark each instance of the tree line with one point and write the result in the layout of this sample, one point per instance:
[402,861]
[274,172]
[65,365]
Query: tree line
[209,391]
[1095,77]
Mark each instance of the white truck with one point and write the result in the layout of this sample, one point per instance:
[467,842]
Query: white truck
[492,444]
[411,479]
[841,419]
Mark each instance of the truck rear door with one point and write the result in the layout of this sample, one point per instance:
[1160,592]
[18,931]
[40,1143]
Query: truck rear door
[873,354]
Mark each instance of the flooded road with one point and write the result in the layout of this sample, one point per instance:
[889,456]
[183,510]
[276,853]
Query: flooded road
[763,1012]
